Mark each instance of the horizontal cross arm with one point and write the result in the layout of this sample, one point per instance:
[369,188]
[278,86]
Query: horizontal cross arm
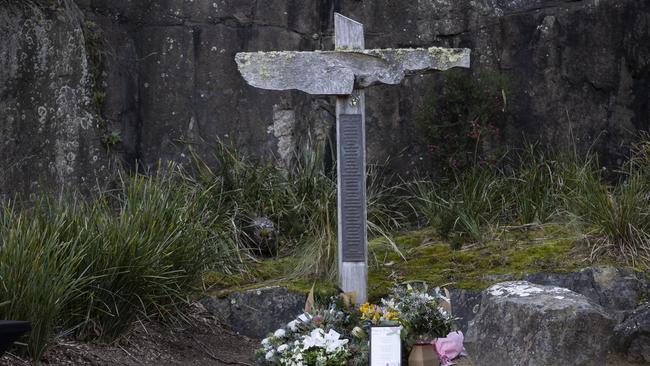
[339,72]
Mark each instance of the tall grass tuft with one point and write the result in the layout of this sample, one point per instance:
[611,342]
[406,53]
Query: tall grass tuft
[42,268]
[301,201]
[149,255]
[89,269]
[615,219]
[463,207]
[533,184]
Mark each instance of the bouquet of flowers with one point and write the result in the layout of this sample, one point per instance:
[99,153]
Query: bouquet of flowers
[378,315]
[421,314]
[338,335]
[328,337]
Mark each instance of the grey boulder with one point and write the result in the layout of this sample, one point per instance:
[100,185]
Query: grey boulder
[633,336]
[255,313]
[520,323]
[465,305]
[615,289]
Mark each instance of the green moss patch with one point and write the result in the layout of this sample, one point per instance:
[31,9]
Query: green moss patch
[425,257]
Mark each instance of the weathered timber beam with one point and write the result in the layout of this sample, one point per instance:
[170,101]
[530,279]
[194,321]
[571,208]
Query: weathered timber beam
[339,72]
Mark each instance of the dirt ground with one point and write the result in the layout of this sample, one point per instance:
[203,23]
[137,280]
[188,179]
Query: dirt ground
[203,341]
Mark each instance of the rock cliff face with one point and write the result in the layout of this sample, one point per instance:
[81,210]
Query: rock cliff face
[169,77]
[48,131]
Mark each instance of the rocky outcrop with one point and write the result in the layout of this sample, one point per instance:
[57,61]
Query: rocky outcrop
[465,305]
[168,76]
[618,290]
[520,323]
[50,134]
[255,313]
[632,337]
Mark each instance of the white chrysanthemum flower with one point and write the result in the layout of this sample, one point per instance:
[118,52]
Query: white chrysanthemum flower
[314,339]
[280,333]
[390,303]
[293,325]
[332,336]
[333,341]
[269,355]
[282,348]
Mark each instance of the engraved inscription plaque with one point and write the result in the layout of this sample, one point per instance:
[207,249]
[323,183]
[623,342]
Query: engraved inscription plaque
[353,190]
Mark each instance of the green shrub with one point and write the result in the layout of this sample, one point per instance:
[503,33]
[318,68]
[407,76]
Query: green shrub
[463,120]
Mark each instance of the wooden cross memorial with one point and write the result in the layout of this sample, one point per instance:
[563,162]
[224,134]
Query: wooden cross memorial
[345,73]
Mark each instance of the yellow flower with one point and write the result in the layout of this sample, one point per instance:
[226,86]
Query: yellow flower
[392,315]
[364,307]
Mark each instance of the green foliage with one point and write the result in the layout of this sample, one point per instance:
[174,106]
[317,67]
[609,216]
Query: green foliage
[41,268]
[92,268]
[301,201]
[461,208]
[463,120]
[149,255]
[533,184]
[111,139]
[532,187]
[140,250]
[614,218]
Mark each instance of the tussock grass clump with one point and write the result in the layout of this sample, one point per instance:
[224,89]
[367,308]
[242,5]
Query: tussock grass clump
[532,187]
[614,219]
[41,268]
[147,256]
[91,268]
[301,201]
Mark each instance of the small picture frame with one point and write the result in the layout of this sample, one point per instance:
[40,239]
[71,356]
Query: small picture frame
[385,346]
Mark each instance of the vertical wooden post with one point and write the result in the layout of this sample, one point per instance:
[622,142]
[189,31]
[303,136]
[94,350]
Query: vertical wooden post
[351,169]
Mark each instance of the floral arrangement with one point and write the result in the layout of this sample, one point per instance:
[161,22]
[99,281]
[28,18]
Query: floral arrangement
[377,315]
[316,348]
[422,314]
[328,337]
[338,335]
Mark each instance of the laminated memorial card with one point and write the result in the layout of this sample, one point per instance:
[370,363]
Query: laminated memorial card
[385,346]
